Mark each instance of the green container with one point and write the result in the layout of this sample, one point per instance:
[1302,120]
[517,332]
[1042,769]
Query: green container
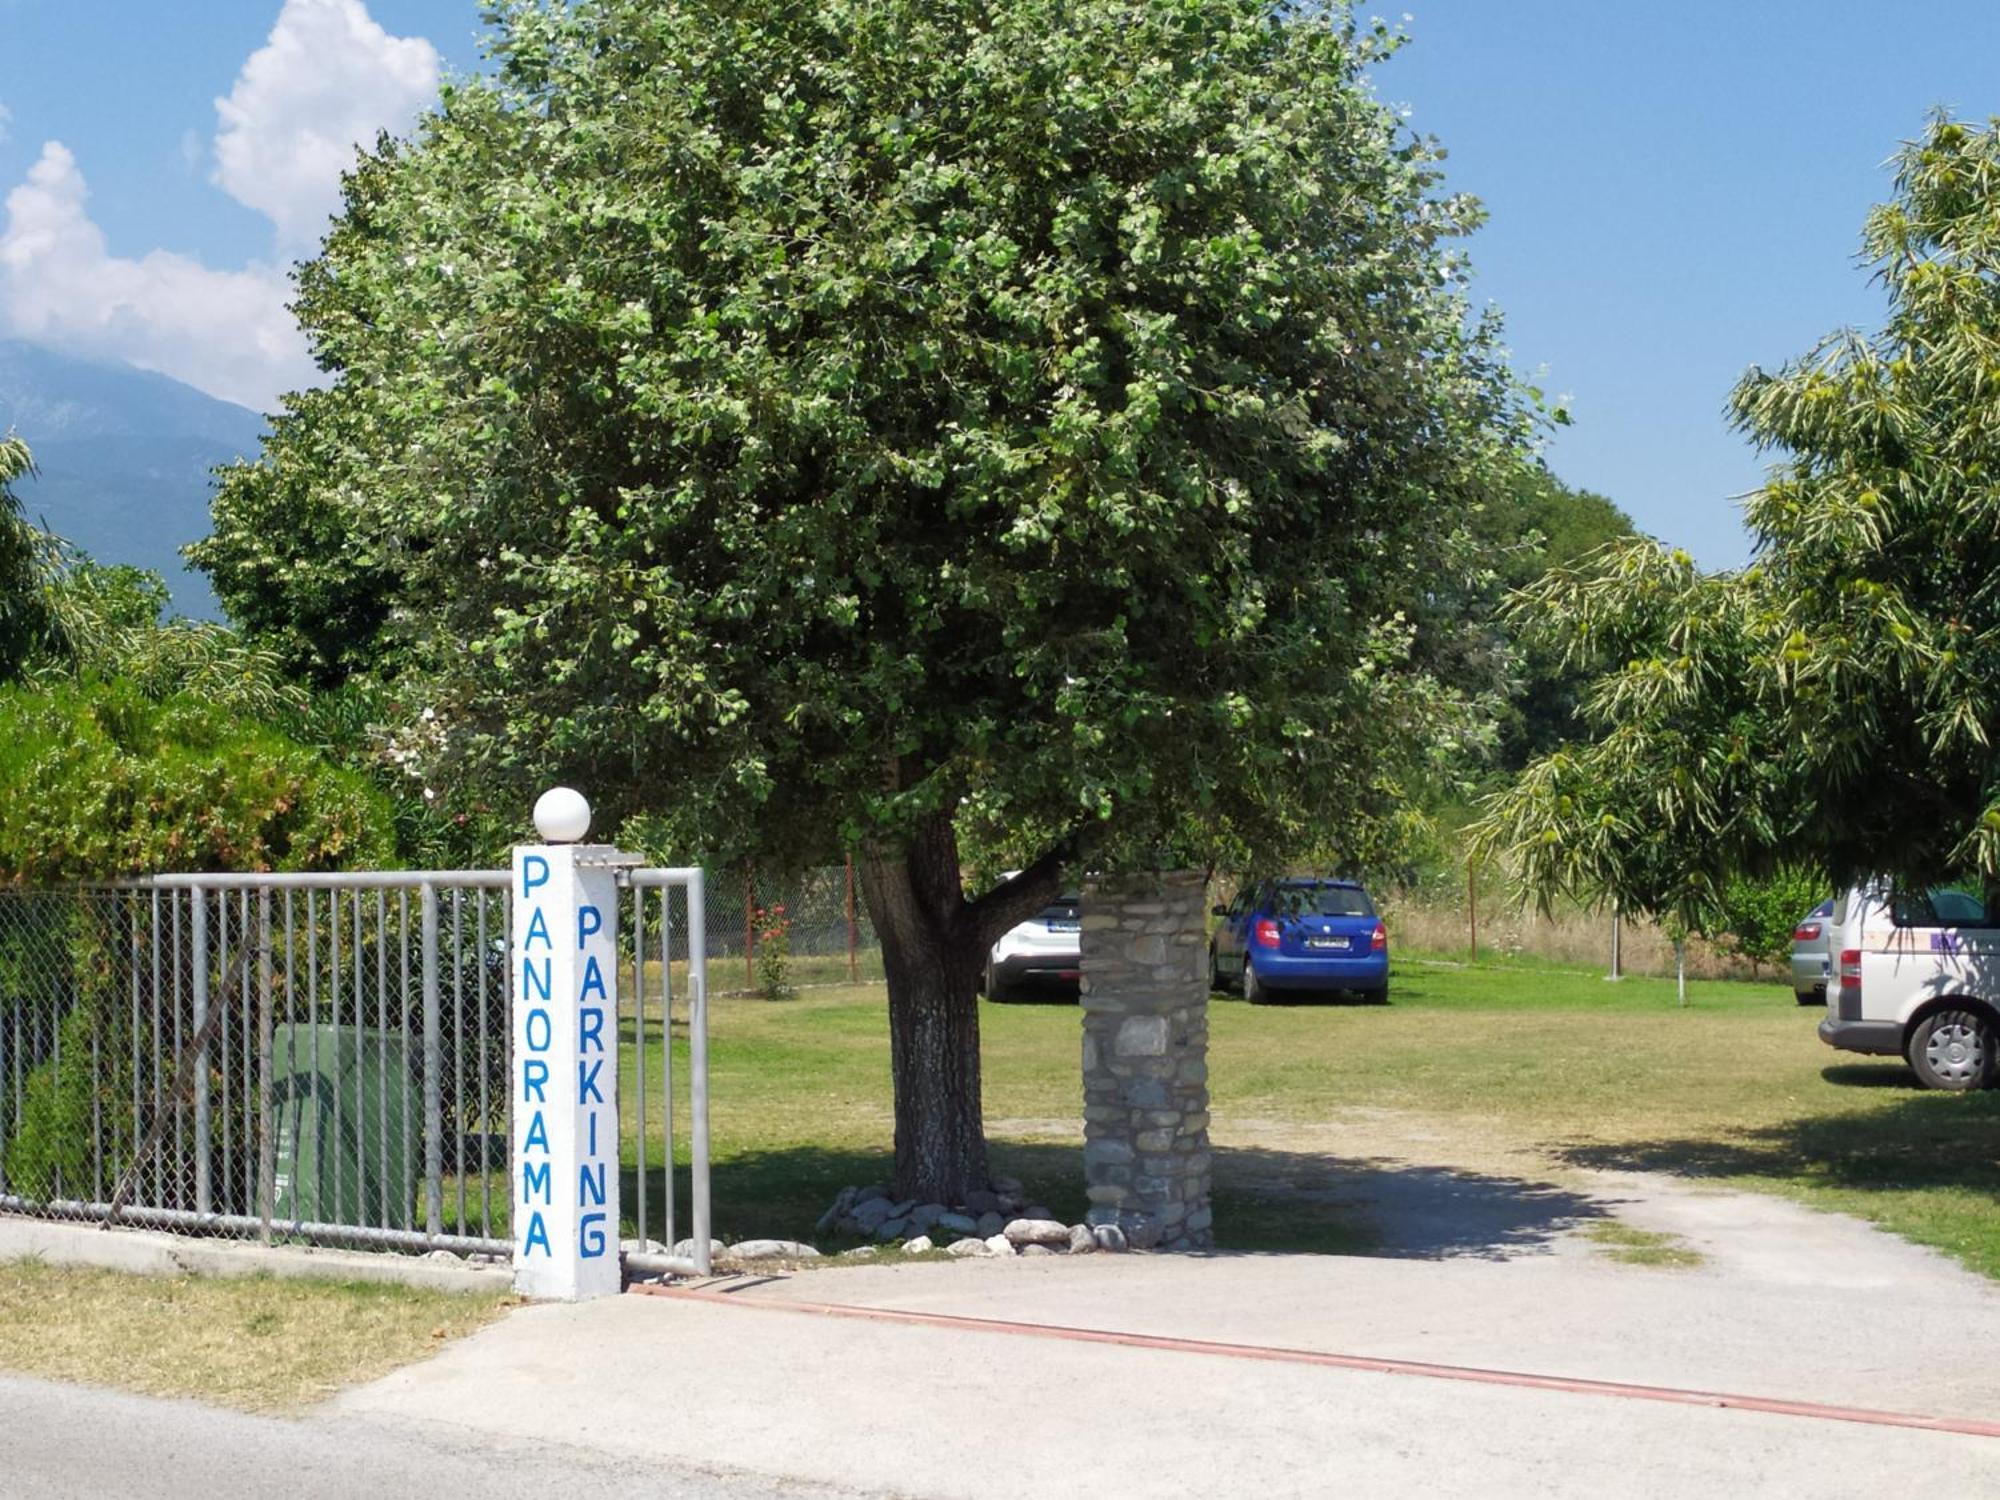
[349,1130]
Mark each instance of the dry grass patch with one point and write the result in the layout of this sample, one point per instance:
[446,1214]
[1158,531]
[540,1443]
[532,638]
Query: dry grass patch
[256,1343]
[1641,1247]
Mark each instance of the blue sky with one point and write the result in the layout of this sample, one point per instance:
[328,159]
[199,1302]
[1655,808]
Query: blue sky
[1676,187]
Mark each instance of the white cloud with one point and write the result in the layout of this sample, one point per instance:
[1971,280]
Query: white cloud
[324,82]
[227,332]
[327,79]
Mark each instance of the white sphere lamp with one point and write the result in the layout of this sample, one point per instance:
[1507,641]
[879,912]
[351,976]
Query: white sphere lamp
[562,816]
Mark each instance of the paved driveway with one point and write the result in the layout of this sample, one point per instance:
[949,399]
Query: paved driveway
[1789,1305]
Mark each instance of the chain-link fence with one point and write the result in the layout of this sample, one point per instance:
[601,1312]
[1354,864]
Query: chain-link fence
[325,1057]
[769,932]
[322,1058]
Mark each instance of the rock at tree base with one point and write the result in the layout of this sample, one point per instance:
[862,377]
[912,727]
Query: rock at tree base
[1047,1232]
[773,1250]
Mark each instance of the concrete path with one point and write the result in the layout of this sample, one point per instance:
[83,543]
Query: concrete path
[63,1442]
[1789,1304]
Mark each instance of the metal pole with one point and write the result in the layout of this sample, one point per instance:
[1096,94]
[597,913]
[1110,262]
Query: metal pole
[203,1190]
[749,931]
[667,1050]
[1472,906]
[638,1049]
[267,1155]
[433,1069]
[1617,944]
[853,931]
[698,1061]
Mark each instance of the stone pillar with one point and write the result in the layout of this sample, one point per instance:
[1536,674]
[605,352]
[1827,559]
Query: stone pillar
[1145,1059]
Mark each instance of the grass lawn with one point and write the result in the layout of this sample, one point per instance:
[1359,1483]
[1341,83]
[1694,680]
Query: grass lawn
[257,1343]
[1512,1068]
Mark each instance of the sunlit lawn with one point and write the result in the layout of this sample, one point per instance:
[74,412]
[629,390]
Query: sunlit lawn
[1585,1072]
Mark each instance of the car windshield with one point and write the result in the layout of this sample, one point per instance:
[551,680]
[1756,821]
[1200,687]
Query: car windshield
[1063,909]
[1314,899]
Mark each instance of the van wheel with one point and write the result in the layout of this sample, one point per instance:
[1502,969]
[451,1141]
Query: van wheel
[1953,1049]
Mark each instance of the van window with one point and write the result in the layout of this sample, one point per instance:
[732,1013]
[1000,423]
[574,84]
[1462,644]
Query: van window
[1958,909]
[1937,907]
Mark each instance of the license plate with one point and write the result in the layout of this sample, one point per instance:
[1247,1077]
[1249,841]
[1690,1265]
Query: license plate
[1065,927]
[1328,942]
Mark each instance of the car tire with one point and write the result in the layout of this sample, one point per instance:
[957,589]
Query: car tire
[1254,989]
[1809,997]
[993,985]
[1953,1049]
[1214,973]
[1379,995]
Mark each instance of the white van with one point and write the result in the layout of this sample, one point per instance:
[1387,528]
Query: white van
[1916,975]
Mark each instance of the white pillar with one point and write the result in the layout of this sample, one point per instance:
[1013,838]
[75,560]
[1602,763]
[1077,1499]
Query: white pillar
[565,1075]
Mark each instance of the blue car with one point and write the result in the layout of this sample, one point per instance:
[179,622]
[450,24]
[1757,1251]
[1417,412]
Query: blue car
[1299,934]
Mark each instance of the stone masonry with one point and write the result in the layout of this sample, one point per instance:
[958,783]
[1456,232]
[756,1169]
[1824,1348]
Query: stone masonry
[1145,1059]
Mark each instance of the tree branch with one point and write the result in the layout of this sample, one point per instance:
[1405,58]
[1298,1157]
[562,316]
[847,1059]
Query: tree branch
[1014,901]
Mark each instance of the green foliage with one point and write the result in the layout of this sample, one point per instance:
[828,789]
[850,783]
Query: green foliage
[1835,705]
[1759,916]
[98,780]
[1534,524]
[76,1102]
[27,625]
[796,422]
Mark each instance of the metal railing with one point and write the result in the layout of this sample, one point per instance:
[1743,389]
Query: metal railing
[640,884]
[317,1057]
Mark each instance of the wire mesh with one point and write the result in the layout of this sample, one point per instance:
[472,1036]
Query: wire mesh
[326,1058]
[276,1062]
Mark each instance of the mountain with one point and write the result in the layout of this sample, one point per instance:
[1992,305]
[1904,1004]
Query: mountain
[124,457]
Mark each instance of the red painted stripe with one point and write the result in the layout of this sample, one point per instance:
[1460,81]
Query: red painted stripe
[1672,1395]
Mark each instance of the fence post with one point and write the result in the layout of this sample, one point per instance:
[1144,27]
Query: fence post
[667,1046]
[1617,943]
[203,1189]
[853,932]
[698,1066]
[267,1154]
[1472,906]
[433,1070]
[749,931]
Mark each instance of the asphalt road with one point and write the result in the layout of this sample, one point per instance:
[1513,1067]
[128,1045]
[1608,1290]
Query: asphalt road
[66,1442]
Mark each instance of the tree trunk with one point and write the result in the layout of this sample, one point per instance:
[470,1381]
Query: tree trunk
[932,961]
[934,945]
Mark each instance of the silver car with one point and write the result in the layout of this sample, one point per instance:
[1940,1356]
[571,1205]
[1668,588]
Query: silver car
[1812,954]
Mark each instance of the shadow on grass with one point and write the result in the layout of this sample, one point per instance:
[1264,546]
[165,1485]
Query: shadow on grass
[1032,991]
[1920,1141]
[1882,1075]
[1265,1200]
[1279,999]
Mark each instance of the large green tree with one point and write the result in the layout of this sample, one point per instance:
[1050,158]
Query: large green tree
[1837,702]
[860,423]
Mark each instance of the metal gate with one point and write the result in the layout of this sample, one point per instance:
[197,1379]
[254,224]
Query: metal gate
[320,1058]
